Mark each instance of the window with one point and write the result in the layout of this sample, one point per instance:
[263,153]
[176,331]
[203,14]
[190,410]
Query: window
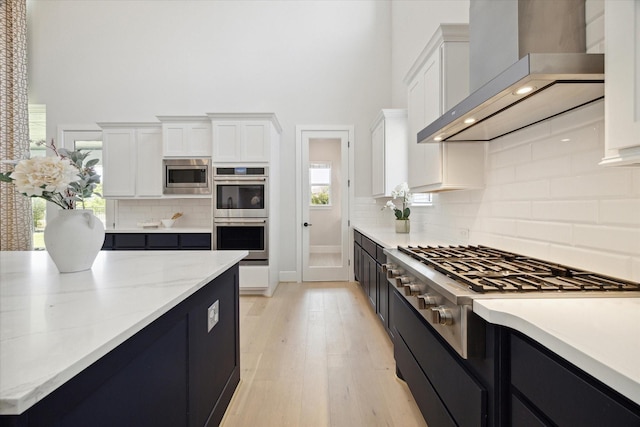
[37,133]
[320,183]
[421,199]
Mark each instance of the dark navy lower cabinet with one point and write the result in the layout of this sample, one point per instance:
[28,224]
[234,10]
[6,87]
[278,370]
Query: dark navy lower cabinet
[173,373]
[446,387]
[548,390]
[156,241]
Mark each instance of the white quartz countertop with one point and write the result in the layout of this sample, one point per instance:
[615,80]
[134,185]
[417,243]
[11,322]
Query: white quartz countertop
[388,238]
[53,326]
[601,336]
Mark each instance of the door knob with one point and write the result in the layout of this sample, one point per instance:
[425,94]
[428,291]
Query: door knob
[306,224]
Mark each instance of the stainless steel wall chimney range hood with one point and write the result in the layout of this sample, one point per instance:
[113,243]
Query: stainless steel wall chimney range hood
[506,35]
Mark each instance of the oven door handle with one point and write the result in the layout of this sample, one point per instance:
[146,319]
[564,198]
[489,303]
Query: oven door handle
[239,222]
[240,180]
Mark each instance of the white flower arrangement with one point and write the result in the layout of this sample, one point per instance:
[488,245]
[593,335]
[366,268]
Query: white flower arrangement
[401,191]
[64,179]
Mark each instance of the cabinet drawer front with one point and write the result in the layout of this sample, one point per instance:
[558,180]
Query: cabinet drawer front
[523,416]
[108,242]
[357,237]
[129,241]
[464,397]
[162,241]
[380,256]
[563,393]
[369,246]
[195,241]
[423,393]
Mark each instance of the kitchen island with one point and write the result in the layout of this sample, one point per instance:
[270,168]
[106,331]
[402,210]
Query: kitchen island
[129,341]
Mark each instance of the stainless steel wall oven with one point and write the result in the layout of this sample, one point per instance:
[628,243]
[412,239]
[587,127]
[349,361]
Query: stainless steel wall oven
[241,192]
[251,234]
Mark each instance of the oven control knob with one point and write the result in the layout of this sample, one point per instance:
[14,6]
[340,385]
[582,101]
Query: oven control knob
[394,272]
[441,315]
[387,267]
[412,289]
[402,281]
[426,301]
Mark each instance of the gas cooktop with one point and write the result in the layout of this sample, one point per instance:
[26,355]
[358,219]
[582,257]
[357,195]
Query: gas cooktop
[488,270]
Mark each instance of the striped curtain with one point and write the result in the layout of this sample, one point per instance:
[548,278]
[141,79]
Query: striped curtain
[16,218]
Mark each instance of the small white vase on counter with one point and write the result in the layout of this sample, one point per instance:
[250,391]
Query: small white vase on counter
[73,239]
[403,226]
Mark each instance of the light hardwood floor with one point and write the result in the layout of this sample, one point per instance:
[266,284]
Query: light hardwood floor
[315,354]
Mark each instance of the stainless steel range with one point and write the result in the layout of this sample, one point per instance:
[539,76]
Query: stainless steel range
[442,282]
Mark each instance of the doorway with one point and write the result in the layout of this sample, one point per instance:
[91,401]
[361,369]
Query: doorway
[324,177]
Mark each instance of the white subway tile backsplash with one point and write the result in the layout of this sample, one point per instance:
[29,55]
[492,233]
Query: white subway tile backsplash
[605,183]
[529,190]
[603,262]
[548,199]
[619,240]
[573,141]
[620,212]
[516,210]
[196,212]
[586,162]
[545,231]
[573,211]
[547,168]
[511,156]
[501,175]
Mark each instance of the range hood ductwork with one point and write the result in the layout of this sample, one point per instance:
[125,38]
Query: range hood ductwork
[517,44]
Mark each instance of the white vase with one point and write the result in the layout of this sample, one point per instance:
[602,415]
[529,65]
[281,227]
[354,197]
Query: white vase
[403,226]
[73,239]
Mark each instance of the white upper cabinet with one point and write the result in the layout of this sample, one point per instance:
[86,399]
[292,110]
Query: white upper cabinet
[388,151]
[243,137]
[186,136]
[622,83]
[132,159]
[436,82]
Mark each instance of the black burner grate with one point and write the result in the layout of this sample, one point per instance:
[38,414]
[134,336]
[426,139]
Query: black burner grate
[487,270]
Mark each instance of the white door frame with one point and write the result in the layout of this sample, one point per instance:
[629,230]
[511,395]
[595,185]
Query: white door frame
[311,128]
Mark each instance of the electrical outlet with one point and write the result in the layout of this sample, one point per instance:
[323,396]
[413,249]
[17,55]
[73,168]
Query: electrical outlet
[213,315]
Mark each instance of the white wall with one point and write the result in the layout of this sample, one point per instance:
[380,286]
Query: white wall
[310,62]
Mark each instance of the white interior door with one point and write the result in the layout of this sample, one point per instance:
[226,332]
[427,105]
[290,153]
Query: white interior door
[325,205]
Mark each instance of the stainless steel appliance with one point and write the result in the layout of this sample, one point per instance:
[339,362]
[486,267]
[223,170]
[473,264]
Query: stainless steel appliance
[251,234]
[241,192]
[442,282]
[186,176]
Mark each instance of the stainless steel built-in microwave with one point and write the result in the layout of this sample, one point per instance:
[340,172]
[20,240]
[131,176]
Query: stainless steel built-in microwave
[186,176]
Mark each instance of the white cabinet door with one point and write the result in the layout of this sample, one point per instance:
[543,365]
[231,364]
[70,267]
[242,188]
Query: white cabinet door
[438,81]
[241,142]
[622,82]
[184,138]
[255,142]
[119,162]
[149,162]
[433,108]
[199,139]
[226,141]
